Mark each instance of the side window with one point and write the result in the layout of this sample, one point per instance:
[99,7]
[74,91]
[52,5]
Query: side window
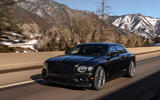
[112,49]
[120,49]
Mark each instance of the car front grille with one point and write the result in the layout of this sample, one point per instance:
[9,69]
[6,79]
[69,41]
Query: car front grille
[60,69]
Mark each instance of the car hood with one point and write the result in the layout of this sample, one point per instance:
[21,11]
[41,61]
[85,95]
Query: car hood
[74,59]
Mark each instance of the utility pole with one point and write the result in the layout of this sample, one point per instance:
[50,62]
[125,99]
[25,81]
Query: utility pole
[102,10]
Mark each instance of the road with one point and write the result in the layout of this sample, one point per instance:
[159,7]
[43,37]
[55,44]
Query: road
[144,86]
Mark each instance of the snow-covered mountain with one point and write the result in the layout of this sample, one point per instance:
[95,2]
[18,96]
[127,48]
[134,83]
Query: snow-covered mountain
[45,13]
[142,25]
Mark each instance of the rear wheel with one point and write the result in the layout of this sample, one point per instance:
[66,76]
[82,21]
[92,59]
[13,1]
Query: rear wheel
[99,79]
[132,69]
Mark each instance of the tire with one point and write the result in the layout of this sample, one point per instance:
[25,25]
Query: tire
[99,79]
[131,70]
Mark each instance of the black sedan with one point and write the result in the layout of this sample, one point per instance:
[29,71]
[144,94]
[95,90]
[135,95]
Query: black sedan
[90,65]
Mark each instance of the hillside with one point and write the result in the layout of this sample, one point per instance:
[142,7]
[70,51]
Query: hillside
[48,25]
[44,18]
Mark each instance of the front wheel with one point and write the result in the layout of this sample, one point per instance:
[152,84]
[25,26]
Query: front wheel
[99,79]
[132,69]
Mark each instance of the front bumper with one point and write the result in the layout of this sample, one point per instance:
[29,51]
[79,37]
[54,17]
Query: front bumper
[78,80]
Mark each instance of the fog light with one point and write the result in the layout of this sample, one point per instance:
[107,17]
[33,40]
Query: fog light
[81,79]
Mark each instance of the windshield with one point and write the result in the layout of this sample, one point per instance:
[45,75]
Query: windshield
[88,50]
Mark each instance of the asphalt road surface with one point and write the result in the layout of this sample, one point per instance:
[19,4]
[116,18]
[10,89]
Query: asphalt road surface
[144,86]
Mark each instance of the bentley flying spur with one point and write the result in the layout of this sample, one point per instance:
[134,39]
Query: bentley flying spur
[90,65]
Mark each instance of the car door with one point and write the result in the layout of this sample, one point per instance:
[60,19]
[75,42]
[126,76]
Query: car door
[124,59]
[114,60]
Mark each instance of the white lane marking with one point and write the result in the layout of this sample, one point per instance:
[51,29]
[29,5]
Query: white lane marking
[20,83]
[32,81]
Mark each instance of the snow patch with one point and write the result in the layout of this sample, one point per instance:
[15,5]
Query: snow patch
[40,13]
[35,35]
[16,34]
[7,43]
[32,42]
[28,44]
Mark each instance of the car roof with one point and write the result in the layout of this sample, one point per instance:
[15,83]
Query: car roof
[97,43]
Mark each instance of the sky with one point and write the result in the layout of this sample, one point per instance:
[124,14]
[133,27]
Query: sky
[118,7]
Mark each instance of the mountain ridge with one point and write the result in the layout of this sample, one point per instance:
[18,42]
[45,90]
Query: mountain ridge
[145,26]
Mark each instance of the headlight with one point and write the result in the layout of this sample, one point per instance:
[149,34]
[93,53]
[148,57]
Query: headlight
[45,66]
[82,69]
[90,68]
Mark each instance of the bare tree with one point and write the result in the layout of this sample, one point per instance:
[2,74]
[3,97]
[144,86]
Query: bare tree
[102,11]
